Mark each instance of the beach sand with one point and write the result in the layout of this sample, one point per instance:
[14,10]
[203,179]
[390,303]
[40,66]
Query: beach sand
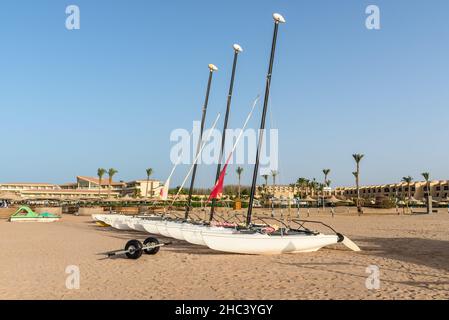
[411,252]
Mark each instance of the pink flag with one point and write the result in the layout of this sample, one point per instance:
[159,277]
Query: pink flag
[217,191]
[164,190]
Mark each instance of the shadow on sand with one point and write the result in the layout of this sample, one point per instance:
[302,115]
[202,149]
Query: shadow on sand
[430,253]
[423,252]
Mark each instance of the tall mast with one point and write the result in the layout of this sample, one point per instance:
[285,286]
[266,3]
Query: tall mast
[277,20]
[237,50]
[212,69]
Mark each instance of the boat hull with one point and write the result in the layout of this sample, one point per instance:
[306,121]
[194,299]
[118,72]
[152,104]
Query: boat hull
[174,229]
[37,219]
[260,244]
[136,224]
[121,223]
[107,218]
[162,228]
[194,233]
[150,226]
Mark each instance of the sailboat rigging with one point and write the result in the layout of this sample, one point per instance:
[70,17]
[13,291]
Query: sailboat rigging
[251,238]
[237,49]
[212,69]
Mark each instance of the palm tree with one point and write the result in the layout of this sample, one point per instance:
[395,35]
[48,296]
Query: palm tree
[149,173]
[239,174]
[111,173]
[358,157]
[265,177]
[274,173]
[100,173]
[326,173]
[307,186]
[313,186]
[302,183]
[408,180]
[426,176]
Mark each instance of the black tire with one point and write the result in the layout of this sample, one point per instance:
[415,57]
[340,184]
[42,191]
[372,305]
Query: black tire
[150,241]
[135,249]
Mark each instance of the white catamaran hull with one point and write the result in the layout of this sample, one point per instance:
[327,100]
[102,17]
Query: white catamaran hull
[266,244]
[136,224]
[174,229]
[37,219]
[194,233]
[107,218]
[150,226]
[162,228]
[121,223]
[96,217]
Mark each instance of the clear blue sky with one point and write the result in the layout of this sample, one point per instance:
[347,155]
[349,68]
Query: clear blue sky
[109,94]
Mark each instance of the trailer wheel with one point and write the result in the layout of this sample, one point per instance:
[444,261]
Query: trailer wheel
[134,248]
[151,241]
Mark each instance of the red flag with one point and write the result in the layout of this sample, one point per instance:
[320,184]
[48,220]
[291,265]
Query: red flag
[217,191]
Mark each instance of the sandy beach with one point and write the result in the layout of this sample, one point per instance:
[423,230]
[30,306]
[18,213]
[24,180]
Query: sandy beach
[411,253]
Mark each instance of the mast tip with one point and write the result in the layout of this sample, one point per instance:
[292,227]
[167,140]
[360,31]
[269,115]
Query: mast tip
[212,67]
[237,48]
[278,18]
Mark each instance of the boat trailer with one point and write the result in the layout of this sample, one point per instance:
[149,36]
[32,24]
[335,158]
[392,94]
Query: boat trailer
[135,248]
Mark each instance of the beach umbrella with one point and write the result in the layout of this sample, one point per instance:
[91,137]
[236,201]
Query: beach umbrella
[333,199]
[308,199]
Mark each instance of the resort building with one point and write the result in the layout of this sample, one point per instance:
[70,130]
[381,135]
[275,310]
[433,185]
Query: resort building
[84,188]
[91,183]
[142,188]
[439,190]
[289,191]
[17,187]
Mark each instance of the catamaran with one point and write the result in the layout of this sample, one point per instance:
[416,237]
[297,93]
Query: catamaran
[264,239]
[250,238]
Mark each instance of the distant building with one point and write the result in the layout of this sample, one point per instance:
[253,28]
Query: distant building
[17,187]
[91,183]
[84,187]
[439,190]
[288,191]
[140,188]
